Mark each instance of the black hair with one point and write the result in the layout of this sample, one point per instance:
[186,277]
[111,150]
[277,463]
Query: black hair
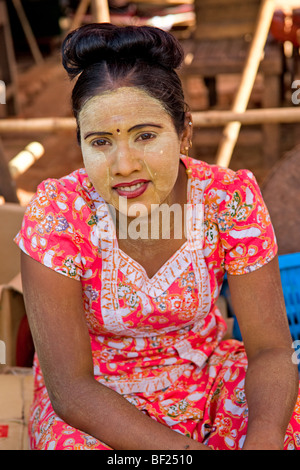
[105,57]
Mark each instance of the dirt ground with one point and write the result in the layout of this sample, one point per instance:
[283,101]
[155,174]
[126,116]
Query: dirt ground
[44,91]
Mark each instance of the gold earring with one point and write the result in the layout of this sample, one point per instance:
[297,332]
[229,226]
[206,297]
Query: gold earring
[188,170]
[89,184]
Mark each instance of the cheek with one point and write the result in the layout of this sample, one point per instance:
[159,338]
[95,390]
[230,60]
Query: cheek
[92,159]
[167,145]
[95,163]
[161,158]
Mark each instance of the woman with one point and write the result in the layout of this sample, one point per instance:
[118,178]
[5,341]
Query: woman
[125,324]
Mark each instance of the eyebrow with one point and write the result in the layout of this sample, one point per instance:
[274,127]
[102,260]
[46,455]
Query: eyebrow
[138,126]
[96,133]
[148,124]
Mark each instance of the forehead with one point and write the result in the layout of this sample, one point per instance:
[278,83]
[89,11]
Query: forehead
[125,103]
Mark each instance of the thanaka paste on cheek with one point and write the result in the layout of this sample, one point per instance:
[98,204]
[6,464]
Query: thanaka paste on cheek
[164,185]
[92,162]
[93,158]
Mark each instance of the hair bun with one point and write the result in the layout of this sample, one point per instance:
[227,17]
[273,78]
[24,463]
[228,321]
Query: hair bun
[97,42]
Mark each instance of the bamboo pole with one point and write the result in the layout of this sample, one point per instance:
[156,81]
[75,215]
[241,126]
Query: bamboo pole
[249,117]
[25,159]
[231,131]
[200,119]
[79,14]
[12,126]
[100,11]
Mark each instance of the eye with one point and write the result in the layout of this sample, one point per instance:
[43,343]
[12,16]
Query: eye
[100,142]
[146,136]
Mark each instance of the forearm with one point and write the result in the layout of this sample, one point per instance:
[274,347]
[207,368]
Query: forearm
[271,390]
[109,417]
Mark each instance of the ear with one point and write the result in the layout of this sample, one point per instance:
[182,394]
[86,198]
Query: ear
[187,134]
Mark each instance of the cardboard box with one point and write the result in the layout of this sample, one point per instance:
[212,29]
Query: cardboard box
[12,308]
[16,393]
[12,311]
[11,216]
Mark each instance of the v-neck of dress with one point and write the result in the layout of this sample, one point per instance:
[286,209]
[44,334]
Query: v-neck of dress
[117,259]
[171,269]
[136,274]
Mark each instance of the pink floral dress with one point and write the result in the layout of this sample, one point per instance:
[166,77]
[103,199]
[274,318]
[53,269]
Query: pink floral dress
[157,341]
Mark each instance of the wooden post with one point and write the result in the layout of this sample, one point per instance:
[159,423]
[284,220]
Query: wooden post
[28,32]
[100,11]
[8,65]
[79,13]
[231,131]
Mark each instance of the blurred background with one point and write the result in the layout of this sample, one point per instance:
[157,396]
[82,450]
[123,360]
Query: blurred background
[216,35]
[241,80]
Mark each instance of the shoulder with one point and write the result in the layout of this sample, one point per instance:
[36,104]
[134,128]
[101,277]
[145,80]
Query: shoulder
[61,210]
[218,176]
[236,219]
[68,196]
[222,184]
[58,228]
[72,186]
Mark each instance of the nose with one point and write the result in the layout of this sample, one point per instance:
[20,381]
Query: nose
[126,161]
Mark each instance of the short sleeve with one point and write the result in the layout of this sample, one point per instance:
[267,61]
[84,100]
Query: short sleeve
[50,233]
[245,228]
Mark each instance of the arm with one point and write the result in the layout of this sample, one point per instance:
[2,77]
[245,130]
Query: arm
[56,316]
[272,378]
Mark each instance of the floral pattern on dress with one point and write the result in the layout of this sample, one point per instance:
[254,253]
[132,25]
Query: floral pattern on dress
[157,341]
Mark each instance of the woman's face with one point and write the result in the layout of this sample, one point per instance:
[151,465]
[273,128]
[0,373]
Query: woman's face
[130,149]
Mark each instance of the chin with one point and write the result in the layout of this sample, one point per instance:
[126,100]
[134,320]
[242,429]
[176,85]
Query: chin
[138,209]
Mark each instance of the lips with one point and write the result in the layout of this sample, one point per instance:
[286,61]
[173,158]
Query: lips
[131,190]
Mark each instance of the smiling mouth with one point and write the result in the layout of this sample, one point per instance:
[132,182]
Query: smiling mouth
[131,190]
